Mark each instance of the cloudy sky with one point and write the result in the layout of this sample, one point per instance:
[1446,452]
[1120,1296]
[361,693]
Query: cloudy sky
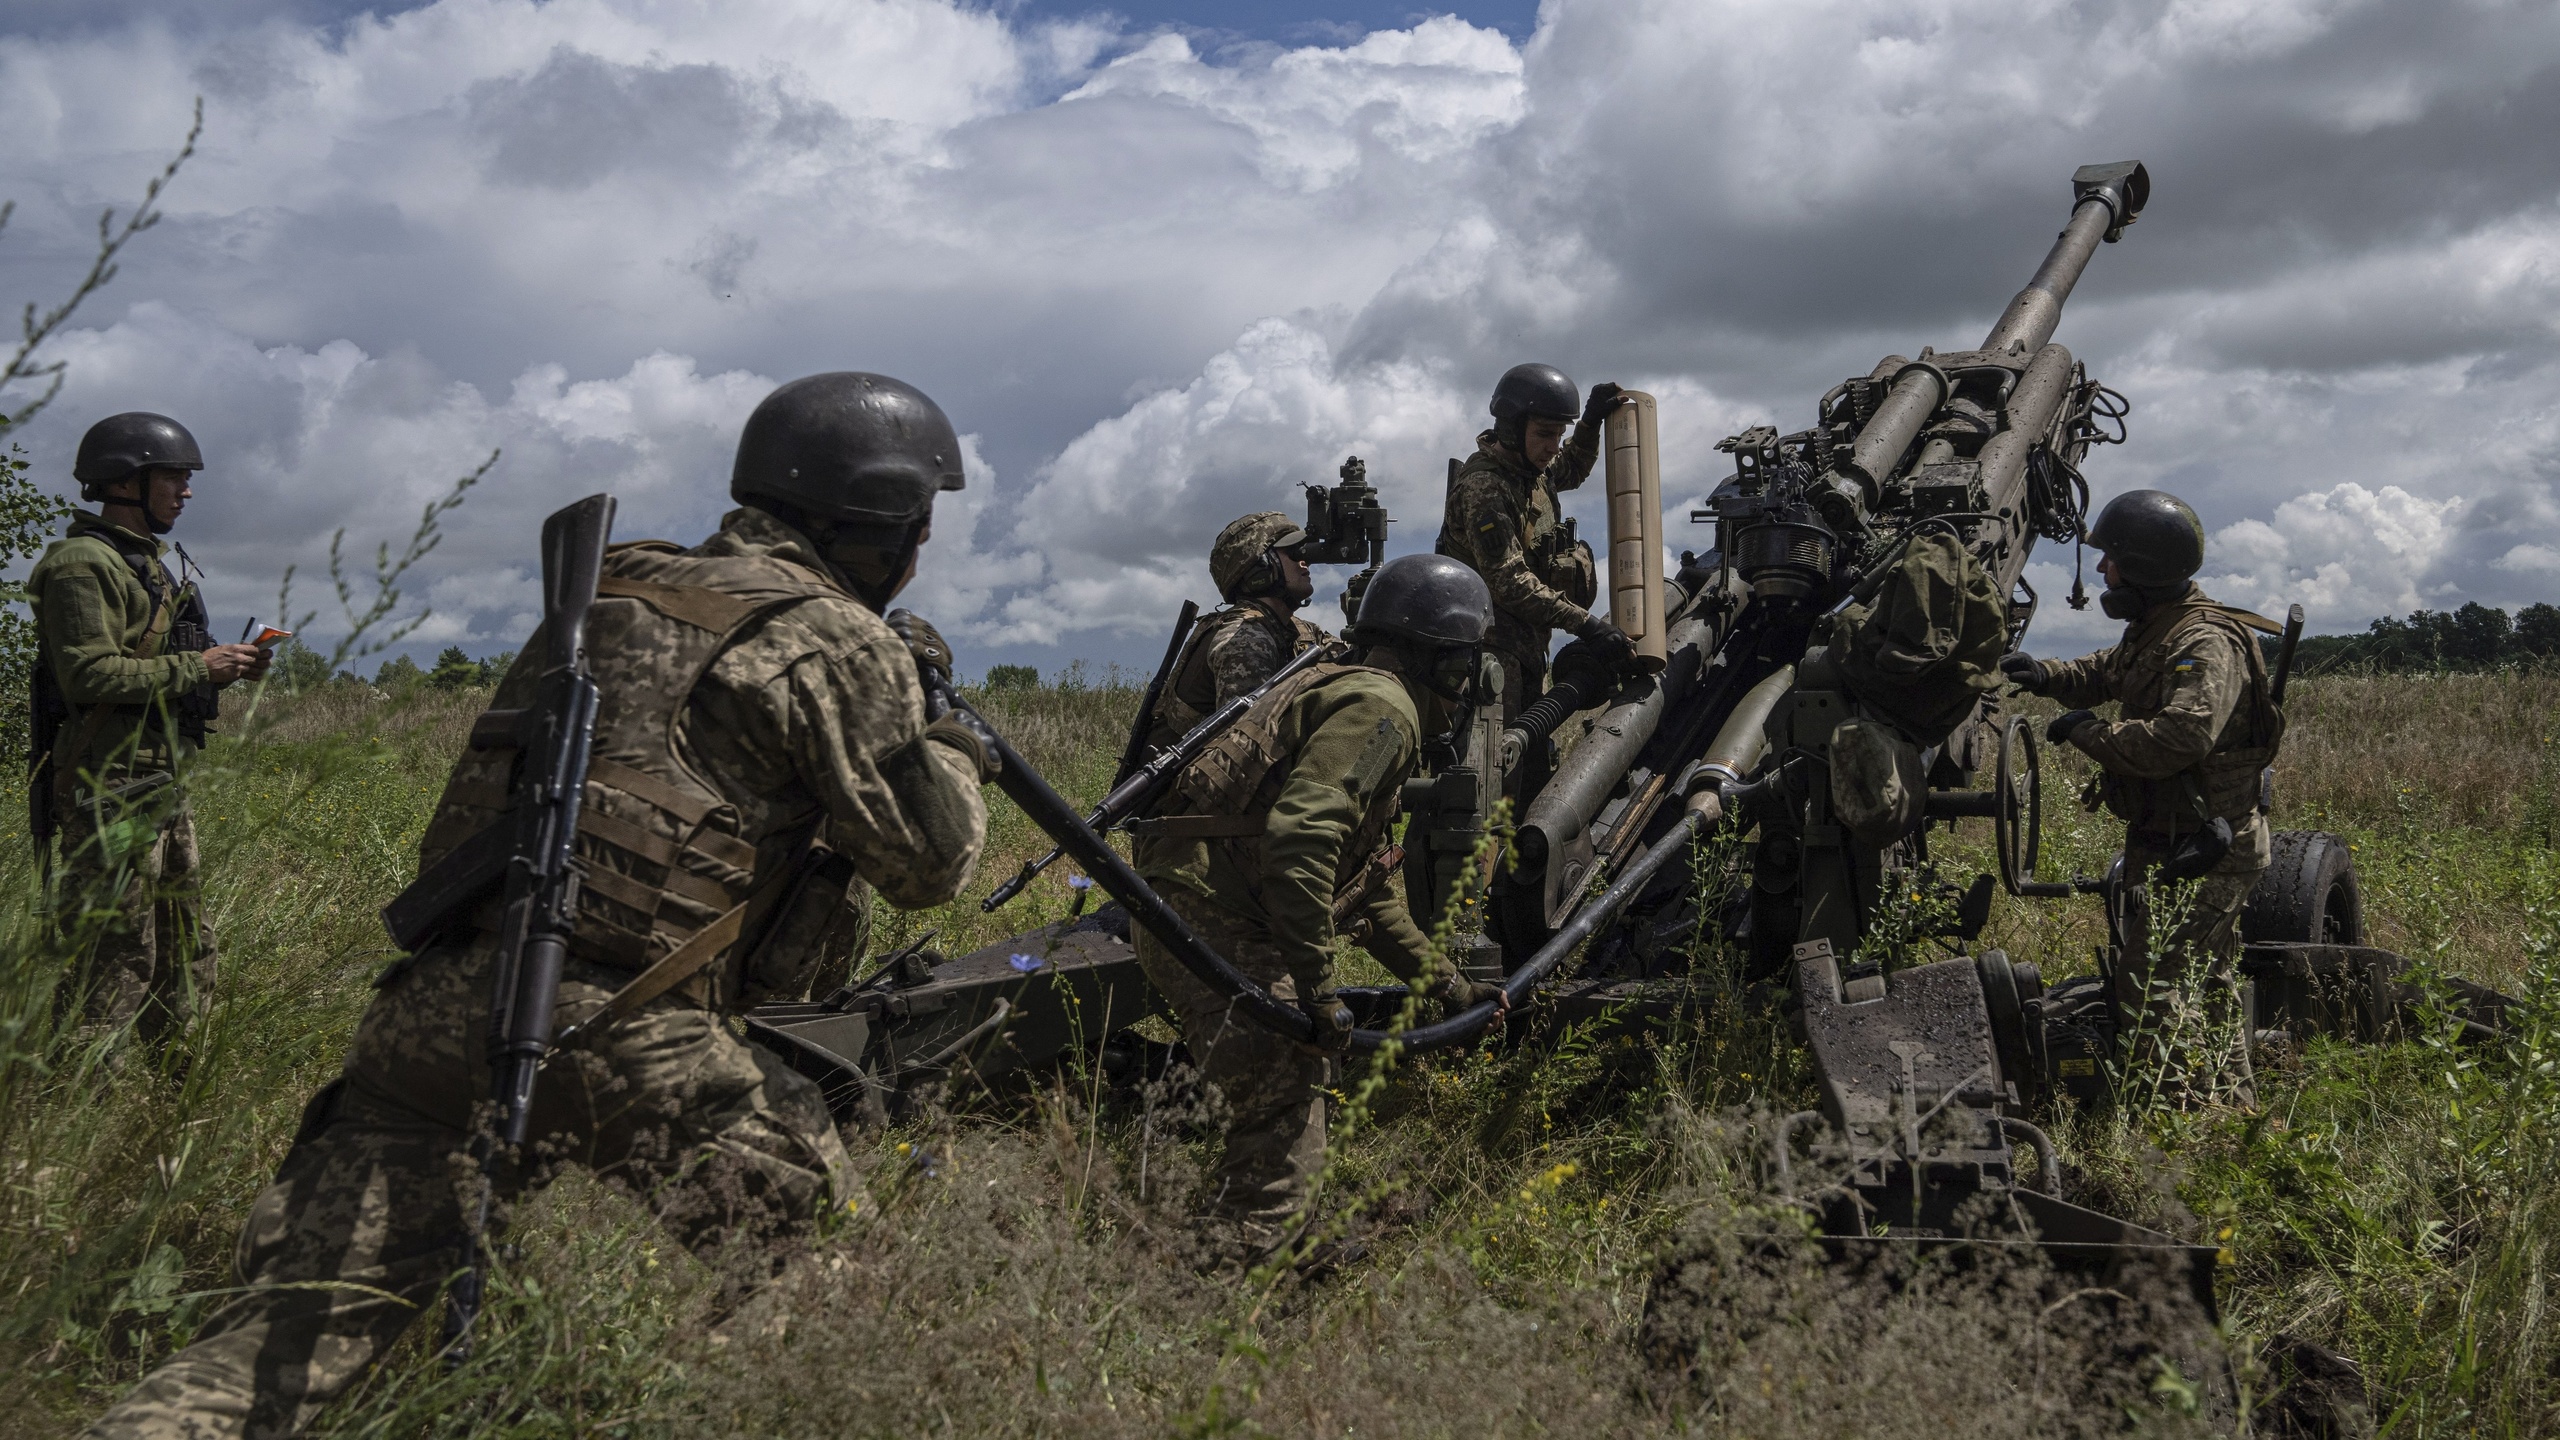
[1164,264]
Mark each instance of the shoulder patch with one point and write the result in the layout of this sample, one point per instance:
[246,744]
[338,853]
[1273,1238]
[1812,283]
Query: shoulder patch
[2188,666]
[1376,758]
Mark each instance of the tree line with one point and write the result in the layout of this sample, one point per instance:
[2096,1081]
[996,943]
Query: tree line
[2474,637]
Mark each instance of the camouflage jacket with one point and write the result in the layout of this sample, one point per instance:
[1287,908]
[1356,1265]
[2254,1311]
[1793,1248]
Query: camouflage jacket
[104,638]
[807,721]
[1504,522]
[1231,651]
[1320,787]
[2196,724]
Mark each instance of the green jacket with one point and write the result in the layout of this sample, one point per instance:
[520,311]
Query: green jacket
[1347,743]
[103,639]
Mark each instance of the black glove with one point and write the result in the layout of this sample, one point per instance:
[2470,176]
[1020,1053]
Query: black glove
[963,731]
[932,652]
[1609,644]
[2198,853]
[1605,398]
[2024,671]
[1457,993]
[1332,1020]
[2059,732]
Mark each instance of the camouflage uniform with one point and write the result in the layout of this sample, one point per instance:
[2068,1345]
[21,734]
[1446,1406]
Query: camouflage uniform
[104,606]
[805,720]
[1232,650]
[1258,849]
[2198,727]
[1504,521]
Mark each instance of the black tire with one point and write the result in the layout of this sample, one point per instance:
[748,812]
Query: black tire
[2309,894]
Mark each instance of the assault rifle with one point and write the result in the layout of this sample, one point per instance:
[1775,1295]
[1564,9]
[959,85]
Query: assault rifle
[1147,784]
[530,851]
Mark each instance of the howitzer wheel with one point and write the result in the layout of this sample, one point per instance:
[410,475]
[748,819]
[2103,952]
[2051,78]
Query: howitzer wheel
[2017,825]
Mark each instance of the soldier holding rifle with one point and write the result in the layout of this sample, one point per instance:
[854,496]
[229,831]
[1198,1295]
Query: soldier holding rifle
[760,747]
[126,681]
[2181,767]
[1261,573]
[1264,834]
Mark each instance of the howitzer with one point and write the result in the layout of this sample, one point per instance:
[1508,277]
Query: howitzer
[1132,797]
[528,855]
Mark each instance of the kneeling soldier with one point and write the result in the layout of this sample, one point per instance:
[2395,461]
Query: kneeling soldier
[1260,573]
[2180,768]
[1263,833]
[753,703]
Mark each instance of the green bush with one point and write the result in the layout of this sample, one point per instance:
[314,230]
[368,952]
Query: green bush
[1013,677]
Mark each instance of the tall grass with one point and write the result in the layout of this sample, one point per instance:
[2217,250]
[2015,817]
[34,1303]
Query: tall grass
[1022,1267]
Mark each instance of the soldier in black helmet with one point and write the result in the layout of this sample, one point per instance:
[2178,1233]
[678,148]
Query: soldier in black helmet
[1259,571]
[762,760]
[125,683]
[1504,521]
[2179,766]
[1262,839]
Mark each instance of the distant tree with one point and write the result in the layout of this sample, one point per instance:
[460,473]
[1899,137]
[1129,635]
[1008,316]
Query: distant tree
[454,670]
[1013,677]
[2537,634]
[299,668]
[494,669]
[399,675]
[2476,636]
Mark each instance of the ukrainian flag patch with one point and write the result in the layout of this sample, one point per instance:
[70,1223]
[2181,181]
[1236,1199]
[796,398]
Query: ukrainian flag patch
[2188,666]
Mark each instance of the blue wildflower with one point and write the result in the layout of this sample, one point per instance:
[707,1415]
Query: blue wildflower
[1026,963]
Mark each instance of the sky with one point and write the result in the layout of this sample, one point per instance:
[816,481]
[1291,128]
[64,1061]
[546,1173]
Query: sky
[1164,264]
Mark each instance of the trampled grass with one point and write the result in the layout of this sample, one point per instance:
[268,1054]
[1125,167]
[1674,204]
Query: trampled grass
[1019,1268]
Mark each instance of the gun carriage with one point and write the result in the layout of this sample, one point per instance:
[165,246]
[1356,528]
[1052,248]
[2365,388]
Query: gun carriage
[1759,663]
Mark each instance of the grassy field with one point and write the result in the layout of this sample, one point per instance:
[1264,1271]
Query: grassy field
[1018,1268]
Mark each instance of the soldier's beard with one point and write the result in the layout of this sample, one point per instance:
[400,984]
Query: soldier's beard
[2122,602]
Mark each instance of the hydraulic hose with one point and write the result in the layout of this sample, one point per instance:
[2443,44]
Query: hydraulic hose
[1051,812]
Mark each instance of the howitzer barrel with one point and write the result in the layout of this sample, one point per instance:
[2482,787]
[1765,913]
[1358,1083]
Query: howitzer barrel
[2025,424]
[2106,198]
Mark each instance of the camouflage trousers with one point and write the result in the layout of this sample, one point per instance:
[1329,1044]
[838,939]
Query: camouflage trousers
[2176,993]
[137,883]
[1271,1091]
[365,1221]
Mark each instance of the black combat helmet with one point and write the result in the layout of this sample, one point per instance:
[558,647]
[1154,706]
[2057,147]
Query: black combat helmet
[1535,392]
[848,448]
[2155,540]
[135,440]
[1425,600]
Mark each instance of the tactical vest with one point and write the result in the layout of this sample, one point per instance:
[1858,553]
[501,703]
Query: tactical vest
[1192,692]
[1558,557]
[1226,795]
[660,849]
[2225,783]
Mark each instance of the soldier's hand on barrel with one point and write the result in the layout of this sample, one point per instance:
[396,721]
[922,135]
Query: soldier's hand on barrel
[2024,671]
[226,663]
[932,652]
[1609,644]
[1605,397]
[1458,993]
[2059,732]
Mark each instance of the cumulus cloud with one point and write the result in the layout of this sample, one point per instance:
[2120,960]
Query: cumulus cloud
[1160,288]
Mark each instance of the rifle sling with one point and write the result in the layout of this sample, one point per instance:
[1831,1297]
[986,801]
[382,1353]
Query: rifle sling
[680,964]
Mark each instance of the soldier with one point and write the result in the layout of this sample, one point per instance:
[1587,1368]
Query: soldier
[125,683]
[2181,767]
[1260,572]
[1504,521]
[753,701]
[1263,837]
